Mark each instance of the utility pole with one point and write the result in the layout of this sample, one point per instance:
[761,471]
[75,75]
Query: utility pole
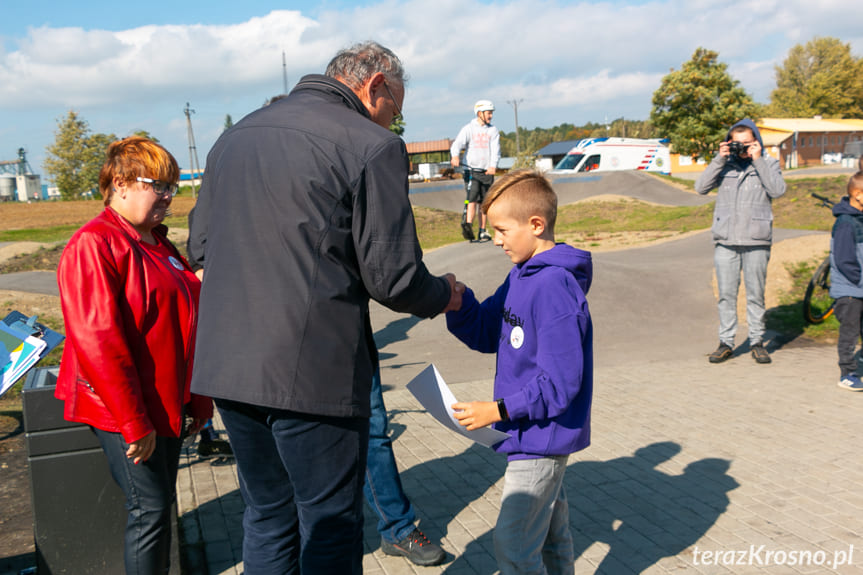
[193,151]
[514,104]
[284,74]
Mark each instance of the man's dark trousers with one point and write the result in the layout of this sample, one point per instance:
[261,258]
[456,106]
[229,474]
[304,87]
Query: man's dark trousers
[301,477]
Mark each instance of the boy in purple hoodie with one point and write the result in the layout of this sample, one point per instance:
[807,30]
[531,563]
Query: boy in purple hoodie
[539,325]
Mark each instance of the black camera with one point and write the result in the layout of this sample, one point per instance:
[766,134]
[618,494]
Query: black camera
[737,148]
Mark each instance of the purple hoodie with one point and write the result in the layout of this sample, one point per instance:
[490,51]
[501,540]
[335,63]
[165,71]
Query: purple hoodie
[539,325]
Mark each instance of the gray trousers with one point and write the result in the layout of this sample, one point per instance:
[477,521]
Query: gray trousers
[729,262]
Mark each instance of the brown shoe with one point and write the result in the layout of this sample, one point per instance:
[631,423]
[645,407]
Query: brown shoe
[722,353]
[760,354]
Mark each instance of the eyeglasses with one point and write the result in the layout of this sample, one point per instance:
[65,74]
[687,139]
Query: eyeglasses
[160,188]
[398,115]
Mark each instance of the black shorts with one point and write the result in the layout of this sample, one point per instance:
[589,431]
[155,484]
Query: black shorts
[479,185]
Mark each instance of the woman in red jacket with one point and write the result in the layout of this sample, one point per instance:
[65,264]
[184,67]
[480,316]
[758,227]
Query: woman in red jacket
[130,304]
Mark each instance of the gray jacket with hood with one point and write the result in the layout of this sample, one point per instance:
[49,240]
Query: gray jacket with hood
[743,214]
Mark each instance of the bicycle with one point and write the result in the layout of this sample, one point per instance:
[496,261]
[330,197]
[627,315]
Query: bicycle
[817,303]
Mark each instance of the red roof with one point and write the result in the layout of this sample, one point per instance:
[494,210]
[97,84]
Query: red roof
[427,147]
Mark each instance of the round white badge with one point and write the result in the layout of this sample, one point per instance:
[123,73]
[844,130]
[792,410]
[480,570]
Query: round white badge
[176,263]
[516,337]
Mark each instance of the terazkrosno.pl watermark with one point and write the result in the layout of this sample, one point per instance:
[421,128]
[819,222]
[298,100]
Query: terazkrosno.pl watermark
[762,555]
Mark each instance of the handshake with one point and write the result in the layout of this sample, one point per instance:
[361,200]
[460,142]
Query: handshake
[456,290]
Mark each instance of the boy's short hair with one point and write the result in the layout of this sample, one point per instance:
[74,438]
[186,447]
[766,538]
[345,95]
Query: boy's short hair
[855,183]
[530,193]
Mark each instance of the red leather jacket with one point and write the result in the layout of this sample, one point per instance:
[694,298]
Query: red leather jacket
[131,312]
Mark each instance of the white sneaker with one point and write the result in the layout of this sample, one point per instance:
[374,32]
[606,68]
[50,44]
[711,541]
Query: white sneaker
[851,382]
[484,236]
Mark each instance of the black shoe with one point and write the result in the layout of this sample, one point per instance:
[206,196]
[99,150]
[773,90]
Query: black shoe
[415,547]
[467,231]
[760,354]
[722,353]
[215,448]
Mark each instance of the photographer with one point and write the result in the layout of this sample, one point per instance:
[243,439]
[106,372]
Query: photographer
[746,183]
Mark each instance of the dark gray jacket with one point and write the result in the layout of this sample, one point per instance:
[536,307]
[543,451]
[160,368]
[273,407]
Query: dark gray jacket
[303,216]
[743,214]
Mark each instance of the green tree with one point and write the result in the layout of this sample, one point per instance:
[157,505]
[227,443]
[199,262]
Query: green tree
[74,159]
[228,122]
[145,134]
[820,78]
[622,128]
[397,126]
[695,106]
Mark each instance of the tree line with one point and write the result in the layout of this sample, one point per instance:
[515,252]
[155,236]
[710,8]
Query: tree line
[693,107]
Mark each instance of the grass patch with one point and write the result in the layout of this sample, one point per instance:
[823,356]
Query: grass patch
[798,210]
[42,235]
[627,215]
[436,228]
[787,318]
[680,182]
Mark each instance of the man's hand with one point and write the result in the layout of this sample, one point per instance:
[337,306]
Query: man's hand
[476,414]
[454,162]
[142,449]
[456,291]
[723,149]
[491,171]
[754,150]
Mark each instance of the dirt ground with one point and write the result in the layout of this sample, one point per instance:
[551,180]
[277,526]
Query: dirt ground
[49,214]
[17,551]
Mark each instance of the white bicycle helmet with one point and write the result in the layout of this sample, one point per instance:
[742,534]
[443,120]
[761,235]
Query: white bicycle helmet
[483,106]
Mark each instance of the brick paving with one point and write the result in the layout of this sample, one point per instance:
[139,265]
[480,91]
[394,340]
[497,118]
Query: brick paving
[693,468]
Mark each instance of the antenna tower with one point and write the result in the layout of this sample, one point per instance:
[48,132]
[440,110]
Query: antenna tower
[193,151]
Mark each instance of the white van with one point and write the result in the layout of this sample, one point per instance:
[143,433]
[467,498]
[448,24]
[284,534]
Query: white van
[612,154]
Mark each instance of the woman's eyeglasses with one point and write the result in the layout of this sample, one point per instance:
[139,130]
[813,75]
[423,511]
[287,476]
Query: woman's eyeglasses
[160,188]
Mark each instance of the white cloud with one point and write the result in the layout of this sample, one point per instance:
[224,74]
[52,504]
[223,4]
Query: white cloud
[75,67]
[568,61]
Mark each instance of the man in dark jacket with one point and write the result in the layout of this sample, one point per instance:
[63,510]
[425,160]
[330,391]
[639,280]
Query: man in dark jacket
[303,217]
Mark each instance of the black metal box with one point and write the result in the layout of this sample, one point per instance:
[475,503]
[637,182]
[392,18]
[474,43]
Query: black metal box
[79,514]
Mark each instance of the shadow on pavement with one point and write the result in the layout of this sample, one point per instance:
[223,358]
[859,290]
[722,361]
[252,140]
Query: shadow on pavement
[639,512]
[213,527]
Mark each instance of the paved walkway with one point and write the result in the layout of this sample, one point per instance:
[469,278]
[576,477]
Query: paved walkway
[693,467]
[687,459]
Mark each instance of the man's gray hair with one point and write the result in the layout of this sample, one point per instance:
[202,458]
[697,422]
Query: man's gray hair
[356,65]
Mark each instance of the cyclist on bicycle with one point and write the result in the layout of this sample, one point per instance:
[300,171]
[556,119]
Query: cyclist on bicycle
[481,143]
[846,271]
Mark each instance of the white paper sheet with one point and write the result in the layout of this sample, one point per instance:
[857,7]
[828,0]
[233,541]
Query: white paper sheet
[435,396]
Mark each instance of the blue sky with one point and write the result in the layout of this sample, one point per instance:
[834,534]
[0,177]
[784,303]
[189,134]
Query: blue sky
[133,66]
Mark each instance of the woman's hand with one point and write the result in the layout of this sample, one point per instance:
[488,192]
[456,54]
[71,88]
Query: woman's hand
[142,449]
[476,414]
